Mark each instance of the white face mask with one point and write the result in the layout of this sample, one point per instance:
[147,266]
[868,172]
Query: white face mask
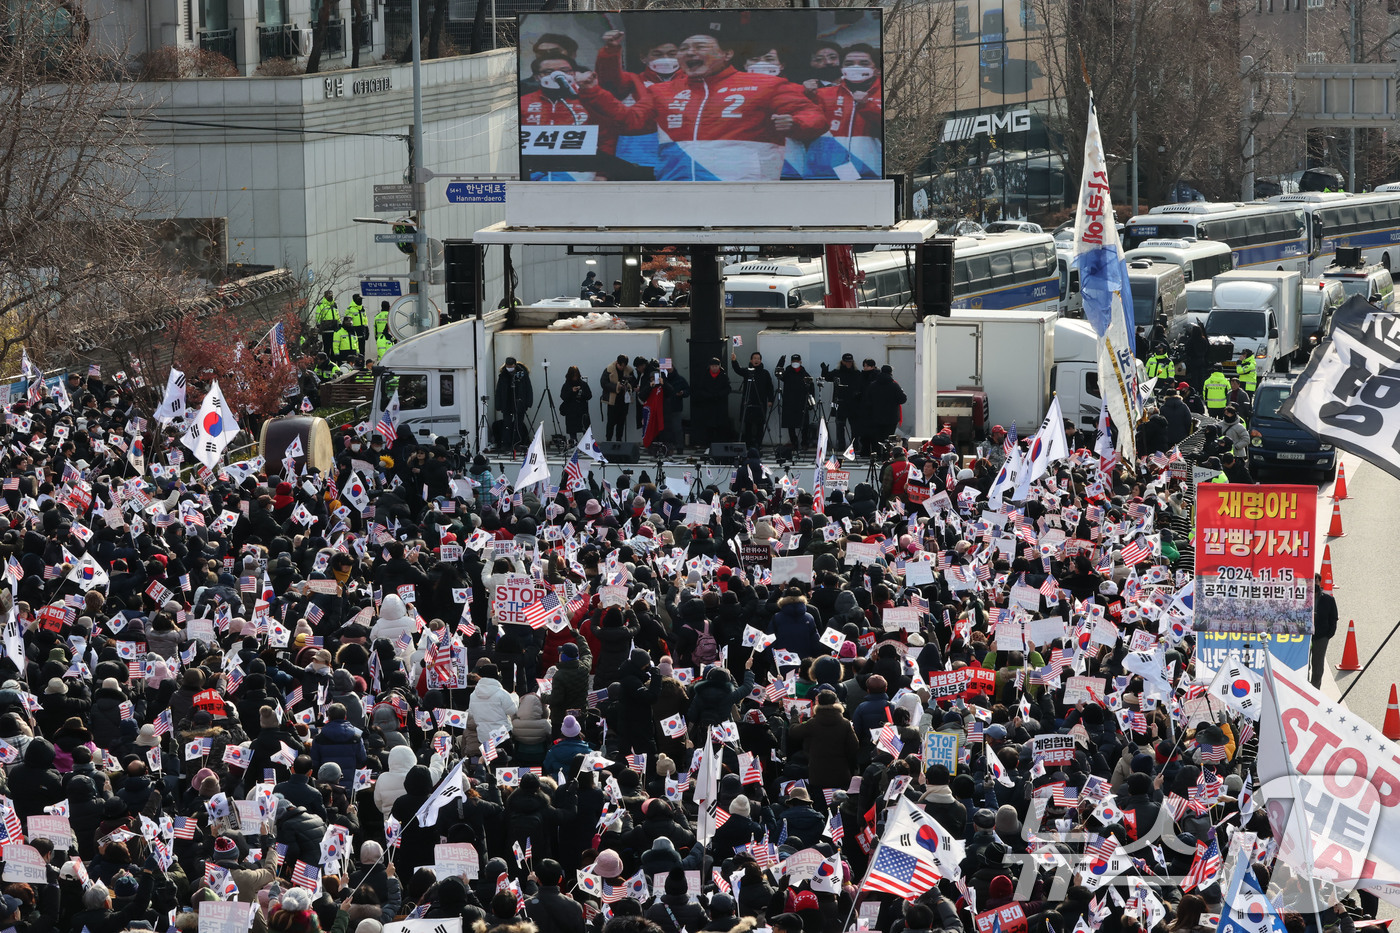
[857,74]
[765,68]
[665,66]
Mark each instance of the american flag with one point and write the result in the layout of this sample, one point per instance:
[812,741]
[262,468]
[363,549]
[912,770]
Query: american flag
[834,829]
[305,876]
[896,872]
[1050,588]
[314,613]
[185,827]
[1104,847]
[918,602]
[1175,805]
[294,697]
[404,643]
[889,546]
[540,611]
[1212,753]
[1061,796]
[719,880]
[637,763]
[164,723]
[721,817]
[888,740]
[573,471]
[1205,869]
[1010,442]
[277,343]
[386,428]
[1135,552]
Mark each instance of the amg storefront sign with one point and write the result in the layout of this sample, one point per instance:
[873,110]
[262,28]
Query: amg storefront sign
[986,124]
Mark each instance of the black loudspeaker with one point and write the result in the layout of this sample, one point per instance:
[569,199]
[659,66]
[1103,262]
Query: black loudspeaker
[935,278]
[463,275]
[731,452]
[620,451]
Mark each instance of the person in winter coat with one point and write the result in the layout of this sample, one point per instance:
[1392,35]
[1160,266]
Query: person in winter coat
[343,691]
[389,786]
[562,754]
[803,821]
[660,821]
[34,781]
[714,699]
[550,909]
[738,829]
[882,400]
[85,809]
[514,396]
[795,626]
[872,712]
[393,621]
[615,638]
[269,741]
[105,718]
[830,743]
[569,688]
[301,831]
[574,396]
[491,704]
[530,730]
[530,816]
[340,742]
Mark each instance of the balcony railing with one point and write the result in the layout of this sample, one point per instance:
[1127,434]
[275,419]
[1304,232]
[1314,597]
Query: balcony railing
[277,42]
[222,41]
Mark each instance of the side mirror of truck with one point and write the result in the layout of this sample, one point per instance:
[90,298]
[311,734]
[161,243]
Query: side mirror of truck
[1273,333]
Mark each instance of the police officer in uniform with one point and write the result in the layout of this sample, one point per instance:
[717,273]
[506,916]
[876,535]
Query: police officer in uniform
[1159,364]
[327,321]
[1216,392]
[382,340]
[357,322]
[1248,371]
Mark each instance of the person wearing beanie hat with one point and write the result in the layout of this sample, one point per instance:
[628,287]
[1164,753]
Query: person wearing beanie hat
[562,753]
[569,686]
[293,913]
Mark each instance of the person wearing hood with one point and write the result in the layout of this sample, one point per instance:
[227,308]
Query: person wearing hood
[85,811]
[715,696]
[530,816]
[795,626]
[384,734]
[34,782]
[343,691]
[418,840]
[491,704]
[873,712]
[272,735]
[529,730]
[105,717]
[390,785]
[830,743]
[393,622]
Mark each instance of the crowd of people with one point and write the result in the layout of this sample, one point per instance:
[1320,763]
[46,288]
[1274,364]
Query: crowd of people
[622,706]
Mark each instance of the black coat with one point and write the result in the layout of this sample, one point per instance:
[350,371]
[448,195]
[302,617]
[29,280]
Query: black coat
[798,389]
[554,912]
[711,394]
[574,398]
[883,399]
[1324,614]
[759,392]
[514,391]
[846,389]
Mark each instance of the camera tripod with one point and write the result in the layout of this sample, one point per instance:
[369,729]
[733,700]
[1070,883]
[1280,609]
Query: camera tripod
[557,440]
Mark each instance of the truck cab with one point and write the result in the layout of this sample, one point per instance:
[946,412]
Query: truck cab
[1276,443]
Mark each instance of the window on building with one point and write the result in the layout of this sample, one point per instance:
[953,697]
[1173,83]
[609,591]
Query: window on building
[1317,58]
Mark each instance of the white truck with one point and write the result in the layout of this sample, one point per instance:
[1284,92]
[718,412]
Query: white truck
[1258,311]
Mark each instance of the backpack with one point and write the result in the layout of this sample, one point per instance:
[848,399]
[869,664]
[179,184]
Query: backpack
[706,648]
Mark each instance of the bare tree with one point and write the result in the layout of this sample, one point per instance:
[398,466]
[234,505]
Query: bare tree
[74,178]
[1188,104]
[320,35]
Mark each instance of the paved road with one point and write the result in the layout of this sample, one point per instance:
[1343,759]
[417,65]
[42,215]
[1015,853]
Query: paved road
[1366,568]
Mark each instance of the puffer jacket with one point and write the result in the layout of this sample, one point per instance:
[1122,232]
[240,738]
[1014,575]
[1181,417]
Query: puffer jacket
[34,781]
[796,628]
[715,696]
[105,718]
[491,706]
[389,786]
[529,725]
[342,743]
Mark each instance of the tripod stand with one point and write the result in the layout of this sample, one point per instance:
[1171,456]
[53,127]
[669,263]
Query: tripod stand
[556,437]
[820,408]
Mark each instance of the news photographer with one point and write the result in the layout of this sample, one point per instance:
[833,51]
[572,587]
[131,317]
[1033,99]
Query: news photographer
[799,399]
[617,385]
[845,396]
[755,399]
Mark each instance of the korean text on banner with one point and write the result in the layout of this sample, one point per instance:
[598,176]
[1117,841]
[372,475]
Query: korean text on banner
[1254,564]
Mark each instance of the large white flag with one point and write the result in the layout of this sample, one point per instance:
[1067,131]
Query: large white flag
[821,441]
[213,429]
[1103,282]
[706,790]
[1048,444]
[88,573]
[173,405]
[1329,782]
[535,468]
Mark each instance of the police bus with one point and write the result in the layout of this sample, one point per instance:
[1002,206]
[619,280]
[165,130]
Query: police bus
[1368,222]
[1261,235]
[999,271]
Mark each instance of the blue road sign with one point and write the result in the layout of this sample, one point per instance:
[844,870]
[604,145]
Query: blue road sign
[476,192]
[380,288]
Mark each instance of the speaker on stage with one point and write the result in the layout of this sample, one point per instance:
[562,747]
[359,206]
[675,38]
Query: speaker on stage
[621,451]
[934,278]
[730,452]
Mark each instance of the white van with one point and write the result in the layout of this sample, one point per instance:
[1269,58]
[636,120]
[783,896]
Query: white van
[1370,282]
[1200,260]
[1159,294]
